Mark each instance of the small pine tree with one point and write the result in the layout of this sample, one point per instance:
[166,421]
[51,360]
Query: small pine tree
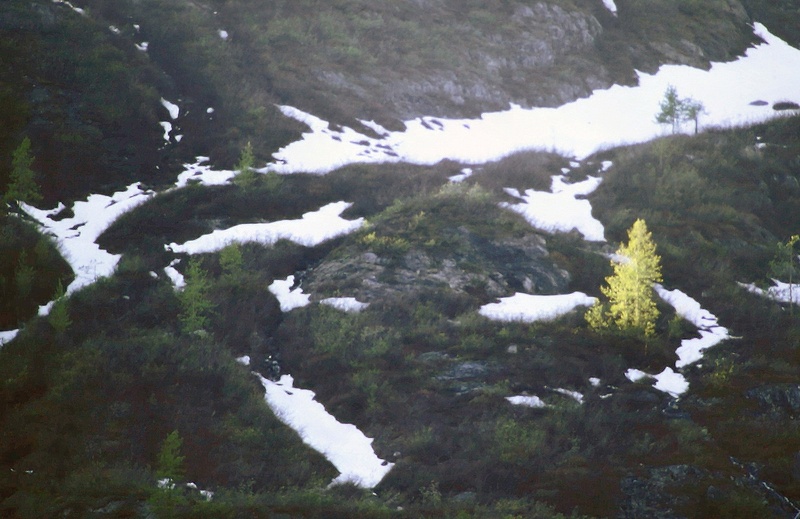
[170,461]
[230,260]
[23,187]
[195,302]
[785,267]
[59,313]
[245,176]
[631,306]
[24,275]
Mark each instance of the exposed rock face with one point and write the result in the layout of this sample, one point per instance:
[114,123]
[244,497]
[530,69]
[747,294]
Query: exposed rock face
[650,495]
[779,400]
[481,267]
[510,67]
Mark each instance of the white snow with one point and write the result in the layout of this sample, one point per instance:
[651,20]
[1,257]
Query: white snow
[172,108]
[312,229]
[167,129]
[465,174]
[530,308]
[76,235]
[346,447]
[178,281]
[142,46]
[711,333]
[243,360]
[202,173]
[575,395]
[690,350]
[671,382]
[7,336]
[594,381]
[560,210]
[779,291]
[528,401]
[610,5]
[345,304]
[223,34]
[69,4]
[635,375]
[289,299]
[612,117]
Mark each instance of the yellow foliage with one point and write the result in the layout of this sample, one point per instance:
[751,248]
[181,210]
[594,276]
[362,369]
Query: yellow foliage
[631,305]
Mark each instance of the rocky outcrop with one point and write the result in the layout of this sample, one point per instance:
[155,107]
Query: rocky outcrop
[779,400]
[478,266]
[509,66]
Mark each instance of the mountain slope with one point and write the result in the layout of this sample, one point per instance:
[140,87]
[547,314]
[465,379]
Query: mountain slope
[87,403]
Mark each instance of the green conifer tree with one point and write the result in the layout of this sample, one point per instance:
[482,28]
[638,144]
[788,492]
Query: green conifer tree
[785,266]
[23,187]
[631,305]
[230,260]
[245,175]
[195,302]
[59,313]
[170,461]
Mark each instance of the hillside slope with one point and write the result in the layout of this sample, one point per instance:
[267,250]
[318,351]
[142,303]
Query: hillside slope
[137,394]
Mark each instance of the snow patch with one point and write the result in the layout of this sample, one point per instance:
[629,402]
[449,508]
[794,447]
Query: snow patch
[528,401]
[575,395]
[616,116]
[779,291]
[167,129]
[611,6]
[8,336]
[560,210]
[289,299]
[76,236]
[178,281]
[711,333]
[346,447]
[173,109]
[530,308]
[312,229]
[345,304]
[465,174]
[202,173]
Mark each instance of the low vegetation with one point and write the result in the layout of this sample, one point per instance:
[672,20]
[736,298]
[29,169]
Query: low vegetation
[127,400]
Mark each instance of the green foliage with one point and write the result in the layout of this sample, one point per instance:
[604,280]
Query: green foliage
[59,313]
[245,176]
[170,461]
[786,265]
[23,186]
[230,260]
[30,268]
[517,443]
[196,306]
[631,305]
[674,111]
[23,276]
